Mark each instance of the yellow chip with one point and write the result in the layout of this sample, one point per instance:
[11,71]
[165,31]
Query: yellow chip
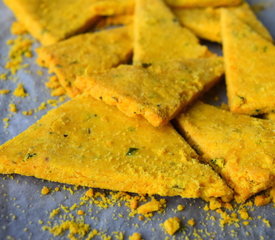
[250,67]
[114,7]
[85,142]
[53,21]
[99,51]
[157,92]
[240,148]
[158,36]
[202,3]
[207,24]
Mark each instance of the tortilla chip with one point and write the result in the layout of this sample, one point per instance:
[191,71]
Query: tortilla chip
[53,21]
[240,148]
[101,50]
[158,36]
[207,24]
[85,142]
[114,20]
[114,7]
[157,92]
[250,67]
[202,3]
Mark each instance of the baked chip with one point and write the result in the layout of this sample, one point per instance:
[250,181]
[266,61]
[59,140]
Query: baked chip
[239,147]
[158,36]
[53,21]
[202,3]
[99,51]
[85,142]
[157,92]
[207,23]
[250,67]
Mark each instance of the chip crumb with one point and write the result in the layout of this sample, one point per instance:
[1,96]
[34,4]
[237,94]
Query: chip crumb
[80,212]
[152,206]
[191,222]
[171,225]
[20,91]
[180,207]
[27,113]
[12,108]
[45,190]
[135,236]
[4,91]
[3,76]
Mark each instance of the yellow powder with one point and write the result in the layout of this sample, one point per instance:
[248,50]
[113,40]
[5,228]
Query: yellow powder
[4,91]
[74,228]
[42,106]
[54,212]
[3,76]
[171,225]
[214,204]
[20,47]
[27,113]
[18,28]
[39,73]
[12,108]
[243,214]
[6,122]
[135,236]
[45,190]
[191,222]
[20,91]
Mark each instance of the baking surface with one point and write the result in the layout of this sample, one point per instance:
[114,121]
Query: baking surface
[22,206]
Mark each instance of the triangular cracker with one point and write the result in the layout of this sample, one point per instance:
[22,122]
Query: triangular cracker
[202,3]
[100,51]
[250,67]
[88,143]
[52,21]
[158,36]
[157,92]
[240,148]
[207,23]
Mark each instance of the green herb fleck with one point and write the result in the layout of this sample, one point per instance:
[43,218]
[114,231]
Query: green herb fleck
[131,151]
[29,155]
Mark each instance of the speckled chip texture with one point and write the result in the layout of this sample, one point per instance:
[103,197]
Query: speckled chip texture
[157,92]
[250,67]
[239,147]
[85,142]
[208,21]
[159,37]
[98,51]
[202,3]
[45,19]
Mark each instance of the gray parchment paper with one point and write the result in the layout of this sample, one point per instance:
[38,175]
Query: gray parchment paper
[22,207]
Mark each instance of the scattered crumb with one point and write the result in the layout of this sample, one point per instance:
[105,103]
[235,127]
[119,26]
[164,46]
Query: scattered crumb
[45,190]
[180,207]
[3,76]
[135,236]
[171,225]
[20,91]
[12,108]
[4,91]
[80,212]
[152,206]
[27,113]
[191,222]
